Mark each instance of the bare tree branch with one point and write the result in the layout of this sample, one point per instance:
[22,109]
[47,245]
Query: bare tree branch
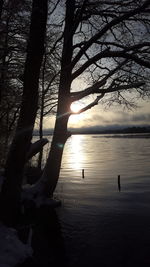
[107,53]
[121,87]
[89,63]
[107,27]
[91,105]
[92,89]
[129,48]
[95,89]
[133,57]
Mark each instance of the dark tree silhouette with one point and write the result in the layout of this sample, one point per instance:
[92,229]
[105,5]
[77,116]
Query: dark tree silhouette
[21,143]
[1,7]
[106,43]
[101,40]
[14,29]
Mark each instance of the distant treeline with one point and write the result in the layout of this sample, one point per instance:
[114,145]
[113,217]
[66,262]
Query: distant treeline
[127,130]
[93,130]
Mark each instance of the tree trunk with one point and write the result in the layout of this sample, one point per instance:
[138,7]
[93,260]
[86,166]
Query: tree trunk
[52,169]
[36,147]
[1,7]
[11,189]
[41,129]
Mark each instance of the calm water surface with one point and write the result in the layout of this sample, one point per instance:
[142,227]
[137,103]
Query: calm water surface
[100,225]
[103,159]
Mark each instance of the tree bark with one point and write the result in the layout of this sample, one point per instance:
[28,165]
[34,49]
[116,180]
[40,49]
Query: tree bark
[36,148]
[52,168]
[11,189]
[1,7]
[41,128]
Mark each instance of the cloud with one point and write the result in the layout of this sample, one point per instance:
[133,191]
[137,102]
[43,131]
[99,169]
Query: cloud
[141,117]
[109,118]
[98,116]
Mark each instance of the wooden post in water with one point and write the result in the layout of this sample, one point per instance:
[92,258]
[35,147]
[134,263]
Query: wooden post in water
[119,185]
[83,173]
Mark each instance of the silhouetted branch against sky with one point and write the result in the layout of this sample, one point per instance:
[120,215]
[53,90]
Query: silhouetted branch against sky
[92,104]
[110,89]
[114,51]
[107,27]
[106,36]
[108,54]
[103,92]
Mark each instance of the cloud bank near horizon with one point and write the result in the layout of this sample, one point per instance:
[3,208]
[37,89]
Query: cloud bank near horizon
[101,117]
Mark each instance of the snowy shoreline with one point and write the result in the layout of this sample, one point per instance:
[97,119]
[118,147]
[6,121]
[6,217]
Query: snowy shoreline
[12,251]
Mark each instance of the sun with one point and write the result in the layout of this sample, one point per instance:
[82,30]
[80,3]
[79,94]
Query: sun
[76,117]
[75,107]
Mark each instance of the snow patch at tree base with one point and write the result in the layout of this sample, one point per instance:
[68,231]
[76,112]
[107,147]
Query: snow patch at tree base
[12,250]
[34,195]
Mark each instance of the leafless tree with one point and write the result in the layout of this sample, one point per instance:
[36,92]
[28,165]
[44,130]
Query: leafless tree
[11,190]
[14,28]
[104,42]
[108,44]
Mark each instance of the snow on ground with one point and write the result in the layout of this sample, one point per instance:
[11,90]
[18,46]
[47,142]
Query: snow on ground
[35,194]
[12,250]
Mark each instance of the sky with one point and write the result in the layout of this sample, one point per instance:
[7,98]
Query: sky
[99,115]
[104,116]
[108,117]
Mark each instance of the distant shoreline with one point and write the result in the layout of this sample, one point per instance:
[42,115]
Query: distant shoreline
[86,131]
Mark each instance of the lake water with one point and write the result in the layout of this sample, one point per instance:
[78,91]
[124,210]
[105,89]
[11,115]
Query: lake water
[98,224]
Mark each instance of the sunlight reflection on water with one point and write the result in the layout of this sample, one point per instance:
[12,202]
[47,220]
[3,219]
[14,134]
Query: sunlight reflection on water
[98,222]
[103,159]
[106,157]
[75,150]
